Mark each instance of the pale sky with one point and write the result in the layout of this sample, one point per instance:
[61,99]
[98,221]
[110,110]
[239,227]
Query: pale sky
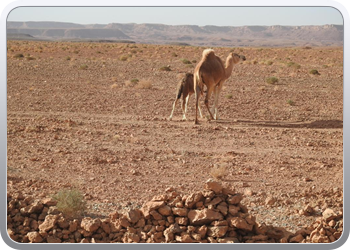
[218,16]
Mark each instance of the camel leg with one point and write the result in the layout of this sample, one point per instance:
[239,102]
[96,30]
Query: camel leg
[213,108]
[197,91]
[216,100]
[184,106]
[206,101]
[172,112]
[200,112]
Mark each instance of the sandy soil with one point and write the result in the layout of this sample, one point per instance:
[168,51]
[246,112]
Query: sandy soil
[76,118]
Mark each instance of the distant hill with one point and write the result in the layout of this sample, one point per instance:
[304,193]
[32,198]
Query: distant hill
[325,35]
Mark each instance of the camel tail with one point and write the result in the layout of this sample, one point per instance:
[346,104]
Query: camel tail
[199,80]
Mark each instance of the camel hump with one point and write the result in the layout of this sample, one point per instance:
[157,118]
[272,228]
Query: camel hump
[207,53]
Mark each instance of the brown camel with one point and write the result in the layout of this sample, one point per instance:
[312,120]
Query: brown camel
[212,72]
[185,88]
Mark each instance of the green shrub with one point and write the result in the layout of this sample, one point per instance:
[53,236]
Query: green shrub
[314,72]
[165,68]
[83,67]
[18,56]
[291,103]
[272,80]
[294,65]
[70,202]
[123,58]
[185,61]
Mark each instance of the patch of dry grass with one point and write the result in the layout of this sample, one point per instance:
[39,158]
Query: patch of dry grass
[70,202]
[144,84]
[218,171]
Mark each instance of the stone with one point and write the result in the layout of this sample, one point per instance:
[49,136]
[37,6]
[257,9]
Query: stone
[150,206]
[248,192]
[202,231]
[270,201]
[36,207]
[169,235]
[105,226]
[131,238]
[228,240]
[185,238]
[214,201]
[233,210]
[181,221]
[228,191]
[202,217]
[62,223]
[222,208]
[296,239]
[260,237]
[165,210]
[213,186]
[156,215]
[192,199]
[53,239]
[34,237]
[240,223]
[49,223]
[49,202]
[234,199]
[90,225]
[329,215]
[73,225]
[217,231]
[133,215]
[180,211]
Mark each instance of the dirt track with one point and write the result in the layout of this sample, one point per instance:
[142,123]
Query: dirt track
[82,122]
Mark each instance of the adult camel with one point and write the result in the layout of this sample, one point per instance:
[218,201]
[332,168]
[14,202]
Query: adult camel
[212,72]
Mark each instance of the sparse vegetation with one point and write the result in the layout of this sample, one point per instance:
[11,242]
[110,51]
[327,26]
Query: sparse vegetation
[135,80]
[272,80]
[293,65]
[290,102]
[229,96]
[30,58]
[70,202]
[20,55]
[314,72]
[144,84]
[123,58]
[218,171]
[165,68]
[83,67]
[185,61]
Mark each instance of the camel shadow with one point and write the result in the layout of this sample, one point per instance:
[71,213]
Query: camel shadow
[321,124]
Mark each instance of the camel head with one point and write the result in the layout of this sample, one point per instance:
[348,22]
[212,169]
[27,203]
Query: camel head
[237,58]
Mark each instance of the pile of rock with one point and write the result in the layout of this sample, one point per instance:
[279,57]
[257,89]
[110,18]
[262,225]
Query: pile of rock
[326,229]
[212,215]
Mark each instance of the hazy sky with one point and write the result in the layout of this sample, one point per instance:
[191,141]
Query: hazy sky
[219,16]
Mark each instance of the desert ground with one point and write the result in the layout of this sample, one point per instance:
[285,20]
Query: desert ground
[94,117]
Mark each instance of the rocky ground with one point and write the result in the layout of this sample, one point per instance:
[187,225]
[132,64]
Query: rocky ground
[213,215]
[93,116]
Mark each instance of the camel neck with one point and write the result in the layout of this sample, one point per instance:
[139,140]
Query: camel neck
[229,66]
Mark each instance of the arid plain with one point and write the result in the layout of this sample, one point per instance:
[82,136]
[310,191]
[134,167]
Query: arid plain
[94,116]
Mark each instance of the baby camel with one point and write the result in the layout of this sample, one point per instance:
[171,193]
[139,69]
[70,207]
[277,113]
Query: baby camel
[185,88]
[212,72]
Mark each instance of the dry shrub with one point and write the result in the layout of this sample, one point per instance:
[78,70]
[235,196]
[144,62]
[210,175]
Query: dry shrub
[114,85]
[70,202]
[144,84]
[218,171]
